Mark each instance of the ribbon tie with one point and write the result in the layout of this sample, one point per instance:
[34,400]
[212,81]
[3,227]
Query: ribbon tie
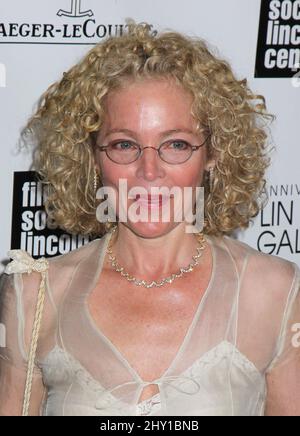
[109,399]
[22,262]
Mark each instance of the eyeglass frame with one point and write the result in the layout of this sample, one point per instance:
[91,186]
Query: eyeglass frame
[193,148]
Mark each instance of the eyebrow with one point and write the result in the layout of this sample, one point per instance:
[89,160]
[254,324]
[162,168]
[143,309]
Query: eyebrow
[165,133]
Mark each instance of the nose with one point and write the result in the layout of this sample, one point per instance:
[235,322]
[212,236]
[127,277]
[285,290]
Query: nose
[150,166]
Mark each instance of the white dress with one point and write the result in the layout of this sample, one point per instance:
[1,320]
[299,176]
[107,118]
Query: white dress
[242,330]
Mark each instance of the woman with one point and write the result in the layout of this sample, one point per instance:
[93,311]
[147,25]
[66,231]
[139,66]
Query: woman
[217,338]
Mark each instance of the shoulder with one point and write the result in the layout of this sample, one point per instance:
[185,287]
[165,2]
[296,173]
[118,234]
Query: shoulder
[258,261]
[272,279]
[59,269]
[71,260]
[261,274]
[23,283]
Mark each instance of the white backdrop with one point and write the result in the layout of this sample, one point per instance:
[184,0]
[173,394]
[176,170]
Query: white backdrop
[51,39]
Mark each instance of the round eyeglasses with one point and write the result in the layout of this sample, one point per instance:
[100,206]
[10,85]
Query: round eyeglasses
[172,152]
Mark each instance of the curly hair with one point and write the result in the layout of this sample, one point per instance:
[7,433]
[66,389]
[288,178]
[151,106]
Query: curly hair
[71,112]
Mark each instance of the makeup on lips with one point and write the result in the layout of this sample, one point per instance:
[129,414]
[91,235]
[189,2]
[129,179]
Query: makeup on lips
[151,201]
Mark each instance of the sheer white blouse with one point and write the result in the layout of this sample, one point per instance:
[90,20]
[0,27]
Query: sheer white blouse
[243,331]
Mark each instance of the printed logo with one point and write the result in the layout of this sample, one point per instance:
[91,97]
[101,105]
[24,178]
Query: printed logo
[75,11]
[278,52]
[77,26]
[31,229]
[279,220]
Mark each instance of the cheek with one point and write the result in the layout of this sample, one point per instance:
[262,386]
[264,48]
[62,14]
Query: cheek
[188,176]
[112,173]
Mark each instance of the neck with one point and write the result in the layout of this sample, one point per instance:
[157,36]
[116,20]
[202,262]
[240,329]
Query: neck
[154,257]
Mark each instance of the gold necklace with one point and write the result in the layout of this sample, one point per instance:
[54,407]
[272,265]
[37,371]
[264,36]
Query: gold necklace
[170,279]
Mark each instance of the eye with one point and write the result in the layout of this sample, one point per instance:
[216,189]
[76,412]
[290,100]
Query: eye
[122,145]
[177,145]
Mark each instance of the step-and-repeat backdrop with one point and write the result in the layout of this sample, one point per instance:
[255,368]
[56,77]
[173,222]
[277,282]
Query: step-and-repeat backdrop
[41,39]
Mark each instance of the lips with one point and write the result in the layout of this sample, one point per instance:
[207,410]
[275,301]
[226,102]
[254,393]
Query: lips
[151,200]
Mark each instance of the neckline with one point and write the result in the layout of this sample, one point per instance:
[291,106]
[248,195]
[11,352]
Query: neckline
[189,330]
[211,356]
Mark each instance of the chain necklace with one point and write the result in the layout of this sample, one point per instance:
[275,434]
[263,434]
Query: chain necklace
[170,279]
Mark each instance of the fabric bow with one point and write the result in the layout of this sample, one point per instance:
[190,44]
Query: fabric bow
[110,399]
[22,262]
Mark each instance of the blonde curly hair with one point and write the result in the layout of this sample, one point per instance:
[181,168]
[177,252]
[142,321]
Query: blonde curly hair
[71,112]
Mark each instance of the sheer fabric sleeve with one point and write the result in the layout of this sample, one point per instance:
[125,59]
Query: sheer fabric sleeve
[18,297]
[283,374]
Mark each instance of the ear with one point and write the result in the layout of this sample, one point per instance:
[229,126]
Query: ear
[96,165]
[211,163]
[94,150]
[210,159]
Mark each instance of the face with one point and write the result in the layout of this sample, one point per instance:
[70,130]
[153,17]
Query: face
[149,110]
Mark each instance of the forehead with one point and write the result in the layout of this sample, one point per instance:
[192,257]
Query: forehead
[149,101]
[147,87]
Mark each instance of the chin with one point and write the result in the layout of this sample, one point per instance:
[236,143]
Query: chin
[150,230]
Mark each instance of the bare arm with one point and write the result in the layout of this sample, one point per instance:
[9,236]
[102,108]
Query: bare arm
[12,383]
[283,376]
[13,353]
[283,384]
